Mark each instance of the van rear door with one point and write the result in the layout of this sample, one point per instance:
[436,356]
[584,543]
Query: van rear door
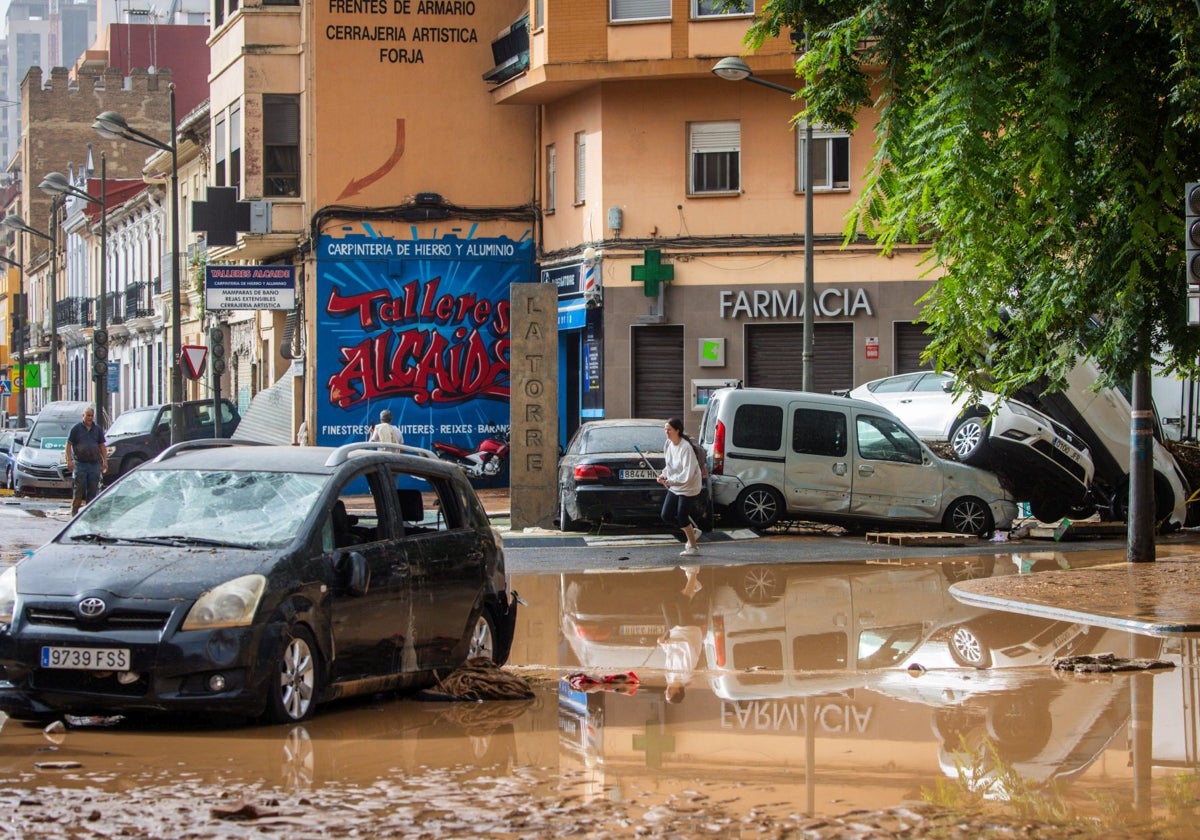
[818,459]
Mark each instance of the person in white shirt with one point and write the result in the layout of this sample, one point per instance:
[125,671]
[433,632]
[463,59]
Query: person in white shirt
[385,432]
[683,480]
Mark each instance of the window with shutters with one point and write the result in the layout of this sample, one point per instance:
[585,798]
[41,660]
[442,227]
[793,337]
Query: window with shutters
[220,156]
[235,147]
[831,159]
[626,10]
[281,145]
[714,152]
[580,167]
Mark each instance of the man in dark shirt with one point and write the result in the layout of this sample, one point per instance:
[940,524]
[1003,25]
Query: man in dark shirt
[87,459]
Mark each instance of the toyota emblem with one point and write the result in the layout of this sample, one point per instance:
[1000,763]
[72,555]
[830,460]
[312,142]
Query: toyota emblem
[92,607]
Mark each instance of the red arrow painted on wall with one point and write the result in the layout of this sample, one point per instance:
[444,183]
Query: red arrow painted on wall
[357,185]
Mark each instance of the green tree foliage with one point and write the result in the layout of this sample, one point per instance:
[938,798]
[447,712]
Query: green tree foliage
[1040,148]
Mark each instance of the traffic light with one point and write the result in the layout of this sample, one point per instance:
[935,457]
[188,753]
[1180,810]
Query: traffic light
[100,345]
[1191,241]
[216,349]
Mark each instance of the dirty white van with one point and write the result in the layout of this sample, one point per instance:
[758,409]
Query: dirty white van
[41,465]
[794,455]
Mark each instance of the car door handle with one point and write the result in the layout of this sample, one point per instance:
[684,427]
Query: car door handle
[866,469]
[839,468]
[400,569]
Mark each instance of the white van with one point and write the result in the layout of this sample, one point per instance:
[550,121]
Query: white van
[41,465]
[789,454]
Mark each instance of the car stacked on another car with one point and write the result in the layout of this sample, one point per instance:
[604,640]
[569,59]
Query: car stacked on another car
[1041,460]
[609,475]
[260,581]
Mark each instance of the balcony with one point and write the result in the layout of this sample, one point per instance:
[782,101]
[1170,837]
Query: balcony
[76,312]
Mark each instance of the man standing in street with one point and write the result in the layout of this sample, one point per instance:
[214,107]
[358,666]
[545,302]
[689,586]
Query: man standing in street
[87,459]
[385,432]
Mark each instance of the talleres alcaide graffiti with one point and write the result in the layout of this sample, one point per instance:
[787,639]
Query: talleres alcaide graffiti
[419,326]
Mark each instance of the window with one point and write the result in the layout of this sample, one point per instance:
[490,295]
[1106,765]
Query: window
[639,10]
[539,14]
[715,155]
[580,167]
[281,145]
[881,439]
[235,147]
[721,8]
[831,159]
[758,427]
[220,158]
[551,179]
[816,432]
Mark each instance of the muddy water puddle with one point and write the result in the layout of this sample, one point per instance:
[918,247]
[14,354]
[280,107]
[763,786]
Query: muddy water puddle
[707,701]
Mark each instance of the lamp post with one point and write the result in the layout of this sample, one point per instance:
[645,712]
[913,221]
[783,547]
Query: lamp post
[15,222]
[737,70]
[23,314]
[57,184]
[113,126]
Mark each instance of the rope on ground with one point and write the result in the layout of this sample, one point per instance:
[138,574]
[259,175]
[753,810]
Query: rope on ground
[480,678]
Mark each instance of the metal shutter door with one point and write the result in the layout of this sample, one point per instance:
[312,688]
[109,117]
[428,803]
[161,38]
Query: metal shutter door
[910,343]
[774,356]
[658,372]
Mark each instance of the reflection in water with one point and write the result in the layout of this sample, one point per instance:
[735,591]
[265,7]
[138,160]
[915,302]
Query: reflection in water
[816,688]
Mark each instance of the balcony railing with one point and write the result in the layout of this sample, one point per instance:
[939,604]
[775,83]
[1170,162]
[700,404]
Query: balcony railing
[137,301]
[76,311]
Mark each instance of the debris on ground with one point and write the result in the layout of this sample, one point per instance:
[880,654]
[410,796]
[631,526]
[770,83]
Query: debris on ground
[626,683]
[1105,663]
[480,678]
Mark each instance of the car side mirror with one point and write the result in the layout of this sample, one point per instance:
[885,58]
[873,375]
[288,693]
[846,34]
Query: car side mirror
[163,428]
[352,569]
[948,387]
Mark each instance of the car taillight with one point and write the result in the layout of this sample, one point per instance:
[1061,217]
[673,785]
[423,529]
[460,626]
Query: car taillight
[592,632]
[592,472]
[718,638]
[718,466]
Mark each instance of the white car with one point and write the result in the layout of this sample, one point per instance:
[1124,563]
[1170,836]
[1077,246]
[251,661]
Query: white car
[1043,461]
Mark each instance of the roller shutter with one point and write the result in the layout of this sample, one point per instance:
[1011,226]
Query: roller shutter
[910,344]
[658,372]
[774,356]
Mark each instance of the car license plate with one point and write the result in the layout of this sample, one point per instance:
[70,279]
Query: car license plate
[642,629]
[638,475]
[1066,450]
[86,659]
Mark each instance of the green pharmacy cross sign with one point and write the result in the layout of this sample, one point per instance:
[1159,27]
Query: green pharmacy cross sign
[652,272]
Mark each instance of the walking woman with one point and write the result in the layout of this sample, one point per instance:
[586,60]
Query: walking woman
[682,478]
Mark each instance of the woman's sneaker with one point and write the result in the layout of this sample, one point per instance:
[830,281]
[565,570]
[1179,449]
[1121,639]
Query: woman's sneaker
[689,551]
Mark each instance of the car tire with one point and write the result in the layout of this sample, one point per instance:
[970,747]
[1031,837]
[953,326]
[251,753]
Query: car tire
[488,636]
[759,507]
[967,649]
[131,462]
[565,522]
[957,571]
[1049,510]
[295,679]
[969,439]
[969,515]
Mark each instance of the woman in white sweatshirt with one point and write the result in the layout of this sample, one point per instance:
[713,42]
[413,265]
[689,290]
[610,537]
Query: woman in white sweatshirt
[682,478]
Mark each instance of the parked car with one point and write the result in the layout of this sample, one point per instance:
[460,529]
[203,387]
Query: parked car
[254,580]
[1043,461]
[41,466]
[604,478]
[10,444]
[138,434]
[789,454]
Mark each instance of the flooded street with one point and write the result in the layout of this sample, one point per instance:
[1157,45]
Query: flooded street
[809,691]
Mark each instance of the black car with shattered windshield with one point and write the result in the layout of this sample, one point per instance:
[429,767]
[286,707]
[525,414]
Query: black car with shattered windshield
[257,581]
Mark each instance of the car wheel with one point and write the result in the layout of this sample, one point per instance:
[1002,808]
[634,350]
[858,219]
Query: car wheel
[760,585]
[969,515]
[967,649]
[295,680]
[969,439]
[760,506]
[487,636]
[565,522]
[131,462]
[960,570]
[1048,510]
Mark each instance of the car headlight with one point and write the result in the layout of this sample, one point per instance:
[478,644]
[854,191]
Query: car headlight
[232,604]
[8,594]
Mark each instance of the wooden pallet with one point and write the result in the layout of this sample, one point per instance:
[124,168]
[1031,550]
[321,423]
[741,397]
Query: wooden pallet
[922,538]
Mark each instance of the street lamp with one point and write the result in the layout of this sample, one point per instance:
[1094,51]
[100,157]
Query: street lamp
[15,222]
[57,184]
[23,314]
[113,126]
[737,70]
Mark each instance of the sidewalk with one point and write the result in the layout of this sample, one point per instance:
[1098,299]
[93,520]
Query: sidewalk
[1159,598]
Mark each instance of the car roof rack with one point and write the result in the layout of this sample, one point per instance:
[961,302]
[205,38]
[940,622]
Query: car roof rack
[203,443]
[342,453]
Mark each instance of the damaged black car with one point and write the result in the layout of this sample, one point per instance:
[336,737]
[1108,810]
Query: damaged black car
[258,581]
